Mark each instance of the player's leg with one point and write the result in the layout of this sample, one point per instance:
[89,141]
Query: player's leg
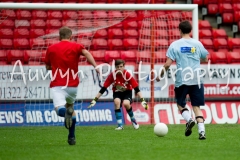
[180,95]
[58,101]
[71,93]
[117,107]
[197,99]
[127,101]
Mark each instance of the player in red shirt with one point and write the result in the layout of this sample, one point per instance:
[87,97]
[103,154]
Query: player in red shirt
[62,58]
[122,85]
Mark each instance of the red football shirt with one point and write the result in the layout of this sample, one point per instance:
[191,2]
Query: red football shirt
[63,57]
[121,81]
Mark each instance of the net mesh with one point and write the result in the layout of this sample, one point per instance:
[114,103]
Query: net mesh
[139,37]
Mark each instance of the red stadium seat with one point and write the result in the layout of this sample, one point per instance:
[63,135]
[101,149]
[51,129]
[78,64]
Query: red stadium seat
[236,16]
[23,14]
[38,24]
[99,43]
[233,43]
[236,7]
[174,34]
[233,57]
[130,43]
[131,15]
[176,15]
[15,55]
[10,14]
[54,14]
[33,57]
[212,9]
[35,33]
[21,43]
[37,43]
[161,24]
[3,57]
[85,23]
[98,55]
[53,23]
[98,14]
[218,57]
[112,55]
[100,23]
[39,14]
[50,42]
[82,15]
[143,14]
[207,43]
[130,24]
[6,33]
[173,24]
[21,33]
[115,33]
[129,56]
[115,24]
[130,33]
[225,7]
[220,44]
[70,15]
[115,14]
[7,23]
[227,18]
[219,33]
[22,23]
[205,33]
[51,31]
[70,23]
[143,24]
[102,33]
[204,24]
[6,43]
[85,41]
[146,56]
[186,15]
[115,44]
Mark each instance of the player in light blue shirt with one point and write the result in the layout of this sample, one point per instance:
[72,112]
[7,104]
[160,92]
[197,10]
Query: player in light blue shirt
[188,53]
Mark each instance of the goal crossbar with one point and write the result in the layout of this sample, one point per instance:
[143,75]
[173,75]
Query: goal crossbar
[69,6]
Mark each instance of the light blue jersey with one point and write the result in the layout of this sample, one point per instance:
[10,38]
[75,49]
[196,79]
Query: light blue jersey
[187,54]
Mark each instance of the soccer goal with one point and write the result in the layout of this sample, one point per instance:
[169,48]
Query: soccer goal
[138,33]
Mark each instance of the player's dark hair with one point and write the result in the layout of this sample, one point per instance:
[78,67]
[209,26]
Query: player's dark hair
[65,33]
[119,61]
[185,27]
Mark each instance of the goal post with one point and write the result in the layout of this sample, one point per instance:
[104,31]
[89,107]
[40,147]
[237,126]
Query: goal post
[153,37]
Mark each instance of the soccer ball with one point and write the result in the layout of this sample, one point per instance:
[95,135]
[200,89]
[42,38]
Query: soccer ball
[160,129]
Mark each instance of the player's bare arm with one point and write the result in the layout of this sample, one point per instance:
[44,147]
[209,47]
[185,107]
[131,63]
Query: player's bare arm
[90,58]
[165,67]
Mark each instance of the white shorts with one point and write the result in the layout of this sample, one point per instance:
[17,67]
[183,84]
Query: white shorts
[63,96]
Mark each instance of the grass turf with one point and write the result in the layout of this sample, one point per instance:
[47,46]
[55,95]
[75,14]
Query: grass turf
[104,143]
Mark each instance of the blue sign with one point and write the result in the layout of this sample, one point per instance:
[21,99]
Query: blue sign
[43,114]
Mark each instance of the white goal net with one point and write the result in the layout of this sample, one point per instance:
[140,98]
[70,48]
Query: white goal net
[140,34]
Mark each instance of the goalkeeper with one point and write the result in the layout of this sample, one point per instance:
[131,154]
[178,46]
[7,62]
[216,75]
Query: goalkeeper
[123,83]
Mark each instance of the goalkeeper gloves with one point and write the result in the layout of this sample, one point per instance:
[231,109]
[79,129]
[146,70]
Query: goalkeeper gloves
[144,103]
[93,102]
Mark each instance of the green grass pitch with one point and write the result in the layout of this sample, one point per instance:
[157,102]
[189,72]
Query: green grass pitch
[104,143]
